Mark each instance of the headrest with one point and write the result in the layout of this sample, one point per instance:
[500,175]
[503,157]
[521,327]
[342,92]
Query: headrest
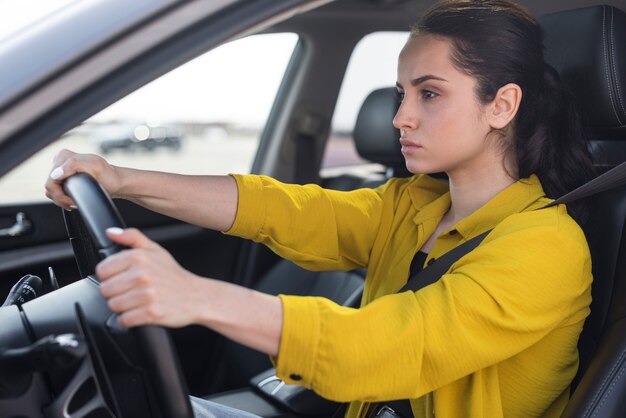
[375,137]
[588,48]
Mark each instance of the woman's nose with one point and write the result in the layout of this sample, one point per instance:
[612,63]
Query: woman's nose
[405,118]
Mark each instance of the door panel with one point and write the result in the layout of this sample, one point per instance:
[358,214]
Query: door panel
[45,244]
[207,253]
[206,117]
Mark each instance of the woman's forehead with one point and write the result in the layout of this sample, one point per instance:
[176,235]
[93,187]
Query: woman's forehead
[425,54]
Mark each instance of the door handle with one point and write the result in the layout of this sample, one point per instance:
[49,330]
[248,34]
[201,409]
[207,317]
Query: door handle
[21,227]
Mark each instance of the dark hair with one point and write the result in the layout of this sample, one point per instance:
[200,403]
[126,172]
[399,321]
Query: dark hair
[497,42]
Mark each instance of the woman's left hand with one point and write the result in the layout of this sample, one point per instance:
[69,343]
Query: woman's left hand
[145,285]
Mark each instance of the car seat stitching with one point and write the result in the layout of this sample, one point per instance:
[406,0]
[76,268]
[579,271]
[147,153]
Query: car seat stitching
[606,62]
[601,393]
[613,383]
[615,74]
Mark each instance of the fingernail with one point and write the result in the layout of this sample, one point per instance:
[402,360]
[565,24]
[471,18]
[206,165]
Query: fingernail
[115,230]
[57,173]
[73,207]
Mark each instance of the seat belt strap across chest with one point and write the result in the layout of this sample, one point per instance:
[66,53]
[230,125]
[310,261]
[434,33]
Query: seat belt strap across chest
[423,278]
[440,266]
[613,178]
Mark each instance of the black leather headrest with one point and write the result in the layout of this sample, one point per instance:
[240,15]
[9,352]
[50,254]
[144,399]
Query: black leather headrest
[375,137]
[588,48]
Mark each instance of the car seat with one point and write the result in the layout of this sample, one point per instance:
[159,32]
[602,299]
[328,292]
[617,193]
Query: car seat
[586,47]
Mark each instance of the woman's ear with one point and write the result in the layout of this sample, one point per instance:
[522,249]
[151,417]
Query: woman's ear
[504,106]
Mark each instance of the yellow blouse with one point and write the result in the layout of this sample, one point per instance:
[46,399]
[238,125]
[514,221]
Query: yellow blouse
[495,337]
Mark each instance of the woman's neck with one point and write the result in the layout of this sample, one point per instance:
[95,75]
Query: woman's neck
[469,192]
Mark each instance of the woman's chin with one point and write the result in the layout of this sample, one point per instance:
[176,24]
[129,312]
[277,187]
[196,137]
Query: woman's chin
[420,168]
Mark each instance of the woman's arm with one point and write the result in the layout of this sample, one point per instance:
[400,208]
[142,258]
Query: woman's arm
[207,201]
[145,285]
[317,228]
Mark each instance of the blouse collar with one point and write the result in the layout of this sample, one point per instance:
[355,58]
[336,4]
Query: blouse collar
[525,194]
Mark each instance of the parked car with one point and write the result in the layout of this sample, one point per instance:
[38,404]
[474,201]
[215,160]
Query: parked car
[299,54]
[133,137]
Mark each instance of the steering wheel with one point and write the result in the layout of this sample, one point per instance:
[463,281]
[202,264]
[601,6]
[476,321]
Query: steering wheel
[159,359]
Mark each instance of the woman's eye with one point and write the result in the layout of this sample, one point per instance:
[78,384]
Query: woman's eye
[427,94]
[399,95]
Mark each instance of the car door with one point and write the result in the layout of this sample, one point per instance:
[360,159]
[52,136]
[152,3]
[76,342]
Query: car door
[197,119]
[205,117]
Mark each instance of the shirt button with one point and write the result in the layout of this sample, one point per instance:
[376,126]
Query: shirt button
[432,260]
[295,377]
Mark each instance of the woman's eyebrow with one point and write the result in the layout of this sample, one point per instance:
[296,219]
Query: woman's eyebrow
[419,80]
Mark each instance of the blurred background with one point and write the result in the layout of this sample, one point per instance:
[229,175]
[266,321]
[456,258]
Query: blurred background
[206,116]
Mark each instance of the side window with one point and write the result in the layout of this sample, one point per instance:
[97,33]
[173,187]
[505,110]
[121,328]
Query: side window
[205,117]
[373,65]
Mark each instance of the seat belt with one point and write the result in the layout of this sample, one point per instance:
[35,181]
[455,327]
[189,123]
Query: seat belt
[438,268]
[421,279]
[611,179]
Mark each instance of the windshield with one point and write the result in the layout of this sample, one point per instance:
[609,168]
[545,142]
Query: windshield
[16,15]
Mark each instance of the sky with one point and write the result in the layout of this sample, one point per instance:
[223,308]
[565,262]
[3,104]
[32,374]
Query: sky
[218,86]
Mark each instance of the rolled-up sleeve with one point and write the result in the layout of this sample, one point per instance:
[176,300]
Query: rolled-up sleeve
[316,228]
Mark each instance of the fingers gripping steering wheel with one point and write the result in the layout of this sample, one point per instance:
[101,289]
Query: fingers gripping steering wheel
[160,362]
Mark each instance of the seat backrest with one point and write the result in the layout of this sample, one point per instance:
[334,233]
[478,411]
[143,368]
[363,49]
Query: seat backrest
[586,46]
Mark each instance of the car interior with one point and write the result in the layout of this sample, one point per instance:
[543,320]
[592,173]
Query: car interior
[583,42]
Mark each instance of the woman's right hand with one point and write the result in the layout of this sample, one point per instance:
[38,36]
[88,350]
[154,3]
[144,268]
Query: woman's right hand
[66,163]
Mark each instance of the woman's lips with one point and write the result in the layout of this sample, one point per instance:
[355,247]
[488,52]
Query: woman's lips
[408,146]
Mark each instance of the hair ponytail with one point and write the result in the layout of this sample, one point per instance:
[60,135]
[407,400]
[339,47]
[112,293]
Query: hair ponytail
[497,42]
[555,148]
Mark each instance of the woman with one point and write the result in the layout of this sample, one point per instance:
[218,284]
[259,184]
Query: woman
[496,336]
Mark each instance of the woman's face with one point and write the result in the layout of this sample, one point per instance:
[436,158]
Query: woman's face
[443,125]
